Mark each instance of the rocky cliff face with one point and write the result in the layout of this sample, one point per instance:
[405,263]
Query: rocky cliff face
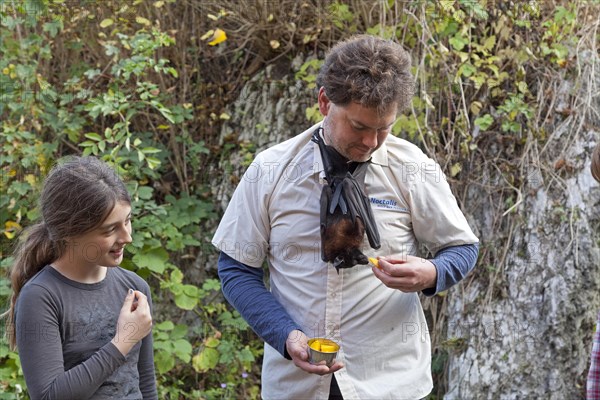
[270,109]
[527,322]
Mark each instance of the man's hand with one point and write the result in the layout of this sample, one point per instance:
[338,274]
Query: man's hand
[297,348]
[406,273]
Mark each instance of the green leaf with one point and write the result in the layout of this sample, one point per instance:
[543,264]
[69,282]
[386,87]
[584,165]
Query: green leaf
[152,162]
[212,342]
[467,69]
[190,290]
[53,27]
[211,284]
[154,259]
[145,192]
[179,332]
[187,298]
[164,361]
[458,41]
[176,275]
[165,326]
[484,122]
[183,350]
[93,136]
[161,342]
[206,360]
[246,355]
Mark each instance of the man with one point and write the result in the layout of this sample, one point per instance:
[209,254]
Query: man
[373,313]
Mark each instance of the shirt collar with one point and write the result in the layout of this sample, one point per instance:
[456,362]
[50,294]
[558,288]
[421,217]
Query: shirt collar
[380,157]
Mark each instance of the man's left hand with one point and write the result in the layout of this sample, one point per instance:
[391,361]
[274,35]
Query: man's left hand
[406,273]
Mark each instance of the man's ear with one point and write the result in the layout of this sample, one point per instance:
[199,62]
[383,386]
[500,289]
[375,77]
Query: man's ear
[324,102]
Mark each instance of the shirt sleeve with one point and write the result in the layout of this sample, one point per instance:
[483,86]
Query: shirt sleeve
[437,220]
[453,264]
[40,351]
[146,363]
[243,287]
[244,230]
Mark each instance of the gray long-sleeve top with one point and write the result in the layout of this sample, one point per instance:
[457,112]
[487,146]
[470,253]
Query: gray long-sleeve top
[64,331]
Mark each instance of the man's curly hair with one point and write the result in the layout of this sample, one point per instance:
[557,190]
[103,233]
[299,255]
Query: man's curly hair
[368,70]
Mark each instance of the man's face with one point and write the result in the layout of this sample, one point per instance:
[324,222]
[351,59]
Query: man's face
[353,130]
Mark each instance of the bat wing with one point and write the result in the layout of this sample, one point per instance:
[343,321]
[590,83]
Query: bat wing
[359,205]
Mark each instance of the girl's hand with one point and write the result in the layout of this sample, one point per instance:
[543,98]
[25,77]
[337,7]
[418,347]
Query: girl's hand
[134,323]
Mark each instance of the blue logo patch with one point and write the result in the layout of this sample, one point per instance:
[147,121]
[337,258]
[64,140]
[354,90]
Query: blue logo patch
[387,204]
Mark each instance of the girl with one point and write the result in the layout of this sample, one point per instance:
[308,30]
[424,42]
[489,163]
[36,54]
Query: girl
[76,337]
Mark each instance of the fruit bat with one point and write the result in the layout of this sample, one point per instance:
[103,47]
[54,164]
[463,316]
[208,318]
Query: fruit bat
[345,209]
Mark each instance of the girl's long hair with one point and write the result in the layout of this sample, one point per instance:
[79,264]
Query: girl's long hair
[77,196]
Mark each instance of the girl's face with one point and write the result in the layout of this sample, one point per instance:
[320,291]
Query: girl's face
[104,245]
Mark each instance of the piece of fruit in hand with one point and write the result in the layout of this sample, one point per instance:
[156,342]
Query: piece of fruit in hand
[374,261]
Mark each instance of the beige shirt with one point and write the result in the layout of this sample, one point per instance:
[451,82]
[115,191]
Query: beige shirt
[274,213]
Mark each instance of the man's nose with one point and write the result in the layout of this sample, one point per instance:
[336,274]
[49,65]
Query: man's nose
[370,139]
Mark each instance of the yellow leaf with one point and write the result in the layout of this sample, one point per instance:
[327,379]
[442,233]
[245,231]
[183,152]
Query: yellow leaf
[11,228]
[12,173]
[106,22]
[455,169]
[30,179]
[42,82]
[207,34]
[218,37]
[213,17]
[143,21]
[522,86]
[489,43]
[476,107]
[224,116]
[159,4]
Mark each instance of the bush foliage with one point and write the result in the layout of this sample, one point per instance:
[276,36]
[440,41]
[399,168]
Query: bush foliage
[145,85]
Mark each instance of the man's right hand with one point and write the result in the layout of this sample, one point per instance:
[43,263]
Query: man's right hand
[297,347]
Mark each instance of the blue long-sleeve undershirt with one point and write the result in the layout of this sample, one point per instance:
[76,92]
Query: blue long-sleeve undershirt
[244,288]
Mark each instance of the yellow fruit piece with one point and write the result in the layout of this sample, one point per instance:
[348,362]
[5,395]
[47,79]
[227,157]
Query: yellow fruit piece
[374,261]
[316,345]
[328,348]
